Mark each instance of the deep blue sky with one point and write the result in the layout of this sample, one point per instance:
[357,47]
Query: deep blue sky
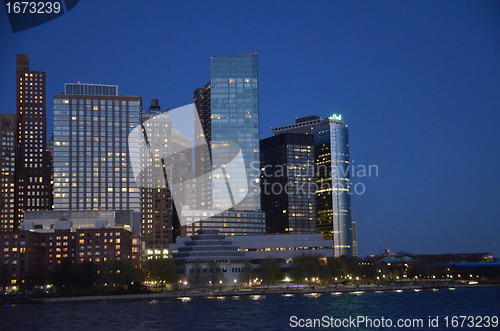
[418,82]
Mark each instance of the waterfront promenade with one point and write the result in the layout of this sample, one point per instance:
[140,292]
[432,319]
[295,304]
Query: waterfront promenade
[260,291]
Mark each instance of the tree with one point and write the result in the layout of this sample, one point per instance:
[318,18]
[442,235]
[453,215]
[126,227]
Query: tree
[246,274]
[270,271]
[162,271]
[119,273]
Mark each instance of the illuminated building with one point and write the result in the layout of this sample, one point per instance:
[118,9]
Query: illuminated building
[7,175]
[333,200]
[92,168]
[287,183]
[33,189]
[160,224]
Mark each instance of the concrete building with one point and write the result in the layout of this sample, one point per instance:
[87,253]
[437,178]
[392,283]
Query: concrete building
[209,258]
[229,223]
[234,256]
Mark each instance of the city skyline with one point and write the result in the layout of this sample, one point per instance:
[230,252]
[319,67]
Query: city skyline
[406,136]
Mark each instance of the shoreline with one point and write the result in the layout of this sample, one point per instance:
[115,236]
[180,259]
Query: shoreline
[186,295]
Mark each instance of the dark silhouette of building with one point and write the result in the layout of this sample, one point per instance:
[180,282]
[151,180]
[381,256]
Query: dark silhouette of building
[33,190]
[7,173]
[287,183]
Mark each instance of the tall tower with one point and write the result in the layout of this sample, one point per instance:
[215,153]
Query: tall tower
[7,175]
[234,102]
[92,169]
[287,185]
[33,178]
[203,156]
[333,200]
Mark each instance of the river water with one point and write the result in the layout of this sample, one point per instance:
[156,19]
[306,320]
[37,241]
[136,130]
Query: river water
[271,312]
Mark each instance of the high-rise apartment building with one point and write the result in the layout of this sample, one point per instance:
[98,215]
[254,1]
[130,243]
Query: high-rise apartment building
[333,199]
[288,192]
[7,175]
[92,169]
[33,190]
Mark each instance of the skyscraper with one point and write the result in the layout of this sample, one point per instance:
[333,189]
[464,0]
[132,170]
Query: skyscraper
[228,109]
[203,156]
[33,190]
[92,168]
[234,103]
[333,200]
[287,185]
[7,174]
[160,223]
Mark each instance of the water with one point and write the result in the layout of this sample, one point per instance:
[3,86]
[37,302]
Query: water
[270,312]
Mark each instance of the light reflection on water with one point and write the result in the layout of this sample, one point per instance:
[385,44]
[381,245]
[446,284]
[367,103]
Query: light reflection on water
[269,312]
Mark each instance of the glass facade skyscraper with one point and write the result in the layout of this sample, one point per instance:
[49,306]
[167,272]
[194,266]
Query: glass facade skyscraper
[333,200]
[234,102]
[91,161]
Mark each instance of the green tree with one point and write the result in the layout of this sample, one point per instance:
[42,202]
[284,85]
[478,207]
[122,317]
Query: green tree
[163,271]
[119,273]
[270,271]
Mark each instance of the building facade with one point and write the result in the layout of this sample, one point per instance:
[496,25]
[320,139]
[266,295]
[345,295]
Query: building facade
[288,192]
[332,177]
[229,223]
[234,120]
[209,259]
[160,223]
[303,125]
[91,163]
[33,189]
[30,258]
[8,144]
[333,199]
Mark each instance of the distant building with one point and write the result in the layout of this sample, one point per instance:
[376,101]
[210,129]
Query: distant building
[209,258]
[283,247]
[45,221]
[333,200]
[234,118]
[8,125]
[288,192]
[209,246]
[30,257]
[92,168]
[228,109]
[332,179]
[303,125]
[160,222]
[229,223]
[33,189]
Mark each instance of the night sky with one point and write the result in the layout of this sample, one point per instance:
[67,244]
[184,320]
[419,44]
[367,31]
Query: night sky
[418,83]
